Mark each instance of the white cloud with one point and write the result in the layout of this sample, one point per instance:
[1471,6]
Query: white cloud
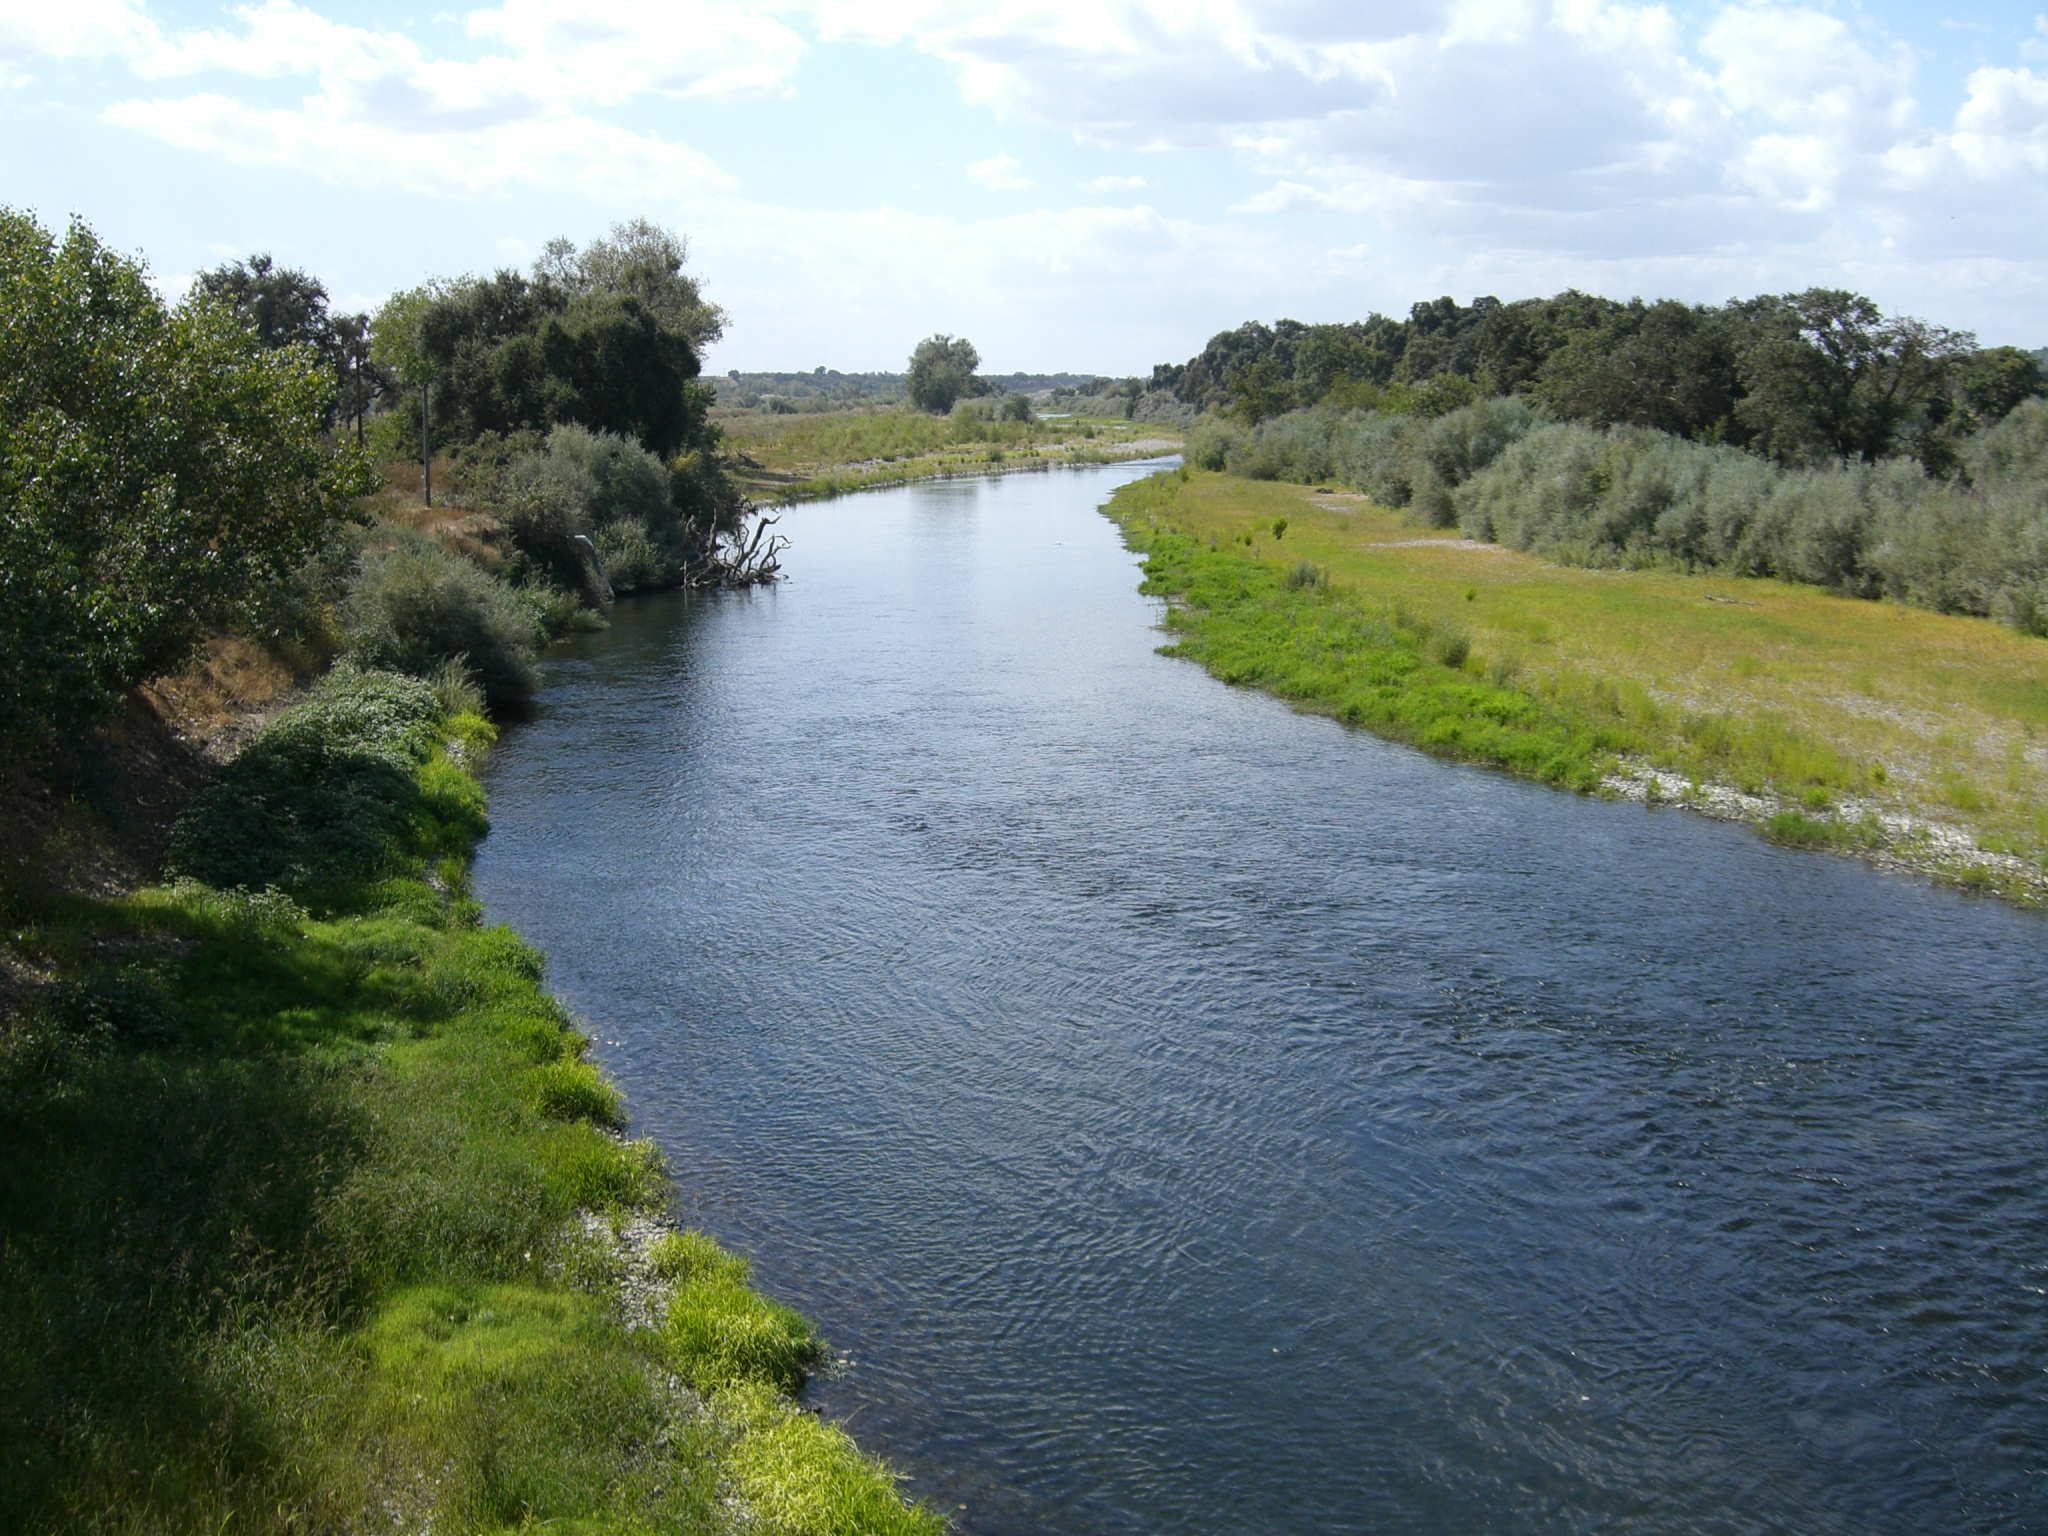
[619,49]
[1475,145]
[321,138]
[385,112]
[87,29]
[999,173]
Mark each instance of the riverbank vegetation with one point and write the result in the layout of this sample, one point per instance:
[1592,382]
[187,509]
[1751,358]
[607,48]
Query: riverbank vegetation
[1911,736]
[1806,436]
[314,1214]
[945,419]
[317,1217]
[1974,541]
[800,457]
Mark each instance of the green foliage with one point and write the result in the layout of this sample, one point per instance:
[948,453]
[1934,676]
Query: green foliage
[414,607]
[608,489]
[942,373]
[344,790]
[1825,375]
[644,262]
[282,305]
[1799,377]
[609,339]
[1397,459]
[308,1223]
[161,474]
[1634,497]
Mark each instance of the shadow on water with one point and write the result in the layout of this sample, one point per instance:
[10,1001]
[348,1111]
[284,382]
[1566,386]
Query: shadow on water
[1188,1116]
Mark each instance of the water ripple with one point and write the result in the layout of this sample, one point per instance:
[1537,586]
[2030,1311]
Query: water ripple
[1192,1117]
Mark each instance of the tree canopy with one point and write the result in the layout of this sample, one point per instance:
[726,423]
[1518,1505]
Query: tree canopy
[942,373]
[285,307]
[161,471]
[1802,378]
[607,338]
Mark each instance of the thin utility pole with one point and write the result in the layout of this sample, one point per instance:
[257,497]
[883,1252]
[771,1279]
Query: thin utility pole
[426,448]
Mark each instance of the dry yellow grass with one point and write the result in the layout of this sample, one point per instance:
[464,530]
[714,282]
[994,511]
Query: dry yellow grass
[1945,718]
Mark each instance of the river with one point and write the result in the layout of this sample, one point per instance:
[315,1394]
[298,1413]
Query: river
[1187,1116]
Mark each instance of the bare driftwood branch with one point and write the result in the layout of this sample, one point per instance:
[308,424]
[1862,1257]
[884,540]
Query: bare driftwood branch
[747,557]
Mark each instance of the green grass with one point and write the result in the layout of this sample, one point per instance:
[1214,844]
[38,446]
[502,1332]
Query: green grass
[809,456]
[1833,707]
[1380,666]
[296,1210]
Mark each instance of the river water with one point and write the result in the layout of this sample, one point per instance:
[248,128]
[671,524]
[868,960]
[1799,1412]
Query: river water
[1186,1116]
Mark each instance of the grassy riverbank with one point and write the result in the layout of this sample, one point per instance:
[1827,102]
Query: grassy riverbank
[803,457]
[1912,737]
[314,1216]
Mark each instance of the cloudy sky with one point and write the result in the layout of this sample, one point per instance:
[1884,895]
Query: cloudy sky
[1083,184]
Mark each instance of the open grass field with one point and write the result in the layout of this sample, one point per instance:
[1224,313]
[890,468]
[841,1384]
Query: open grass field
[805,456]
[1917,738]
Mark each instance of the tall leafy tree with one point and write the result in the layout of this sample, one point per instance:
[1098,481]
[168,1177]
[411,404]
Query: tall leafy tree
[641,261]
[607,338]
[161,473]
[363,382]
[1826,375]
[282,305]
[1666,365]
[942,373]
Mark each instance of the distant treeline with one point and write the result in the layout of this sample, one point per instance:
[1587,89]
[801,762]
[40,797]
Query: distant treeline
[1801,378]
[825,389]
[1805,436]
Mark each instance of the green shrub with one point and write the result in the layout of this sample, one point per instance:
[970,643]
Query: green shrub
[1633,496]
[1397,458]
[1305,574]
[161,474]
[414,607]
[331,796]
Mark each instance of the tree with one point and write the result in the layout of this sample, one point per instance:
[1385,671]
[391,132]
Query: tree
[1826,375]
[282,305]
[606,338]
[161,474]
[1665,365]
[641,261]
[363,380]
[1261,389]
[1988,384]
[942,373]
[1443,337]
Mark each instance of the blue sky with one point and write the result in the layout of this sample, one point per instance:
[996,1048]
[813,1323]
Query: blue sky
[1083,184]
